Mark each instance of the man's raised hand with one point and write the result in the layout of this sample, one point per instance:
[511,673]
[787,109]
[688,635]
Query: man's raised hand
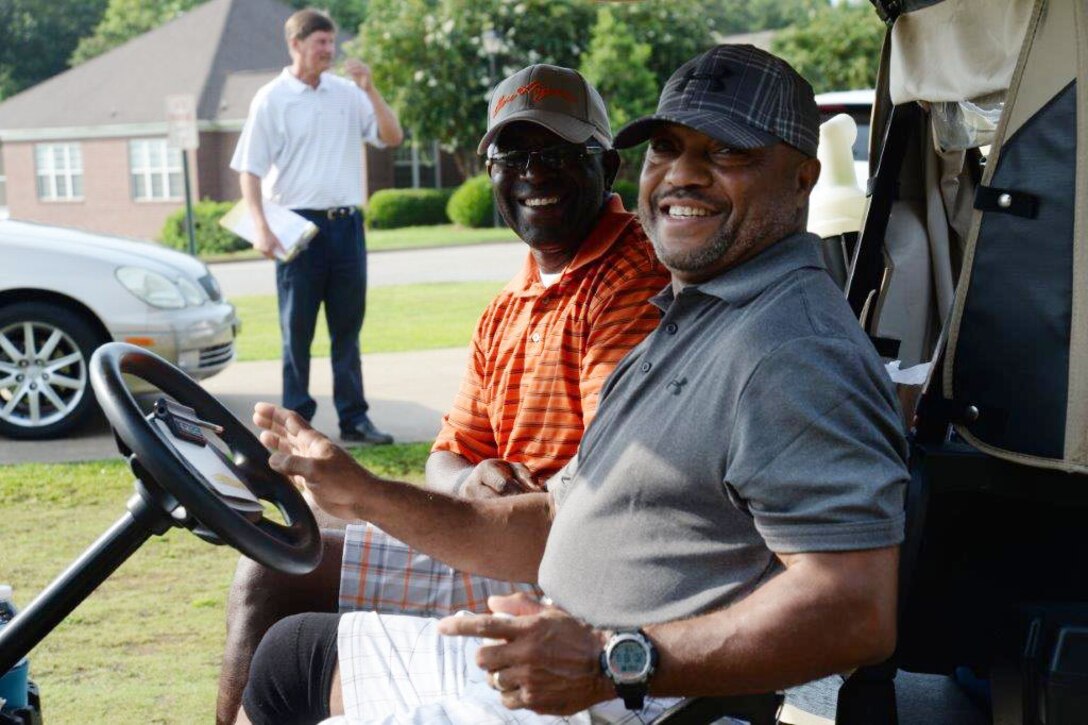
[330,475]
[359,72]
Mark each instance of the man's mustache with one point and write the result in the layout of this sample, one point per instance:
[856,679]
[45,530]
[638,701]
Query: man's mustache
[682,194]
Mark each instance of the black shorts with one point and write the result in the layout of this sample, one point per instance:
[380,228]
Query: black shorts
[291,674]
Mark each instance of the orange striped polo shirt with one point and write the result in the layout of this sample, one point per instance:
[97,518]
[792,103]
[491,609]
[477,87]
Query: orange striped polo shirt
[540,354]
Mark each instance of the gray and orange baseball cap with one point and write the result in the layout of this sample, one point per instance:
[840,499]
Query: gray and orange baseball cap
[559,99]
[740,95]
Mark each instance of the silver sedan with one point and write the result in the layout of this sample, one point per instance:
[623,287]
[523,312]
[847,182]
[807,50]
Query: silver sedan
[64,292]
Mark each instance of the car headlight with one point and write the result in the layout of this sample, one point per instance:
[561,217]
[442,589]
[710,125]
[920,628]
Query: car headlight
[151,287]
[191,291]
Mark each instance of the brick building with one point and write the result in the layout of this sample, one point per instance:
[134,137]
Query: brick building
[87,148]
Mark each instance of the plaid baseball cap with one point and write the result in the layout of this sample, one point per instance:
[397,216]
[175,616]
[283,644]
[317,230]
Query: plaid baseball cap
[740,95]
[559,99]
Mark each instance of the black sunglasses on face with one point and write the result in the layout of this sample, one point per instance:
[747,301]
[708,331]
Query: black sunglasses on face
[557,157]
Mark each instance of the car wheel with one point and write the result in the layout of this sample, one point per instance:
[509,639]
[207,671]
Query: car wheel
[44,387]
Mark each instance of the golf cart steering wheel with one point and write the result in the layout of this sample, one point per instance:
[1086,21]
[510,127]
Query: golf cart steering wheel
[174,467]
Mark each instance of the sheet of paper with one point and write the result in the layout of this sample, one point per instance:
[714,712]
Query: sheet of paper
[217,475]
[914,375]
[293,230]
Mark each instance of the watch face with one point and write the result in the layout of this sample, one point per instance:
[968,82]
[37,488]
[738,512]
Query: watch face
[628,661]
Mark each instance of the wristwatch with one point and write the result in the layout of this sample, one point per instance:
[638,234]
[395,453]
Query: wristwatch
[629,660]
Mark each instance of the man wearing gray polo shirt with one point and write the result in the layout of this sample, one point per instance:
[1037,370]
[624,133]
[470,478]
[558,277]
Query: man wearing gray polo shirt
[302,148]
[732,519]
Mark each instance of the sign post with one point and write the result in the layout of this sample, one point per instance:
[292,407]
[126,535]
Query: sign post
[182,135]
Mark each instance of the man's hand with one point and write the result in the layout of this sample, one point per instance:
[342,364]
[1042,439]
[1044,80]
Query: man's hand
[360,73]
[267,243]
[495,477]
[331,476]
[548,662]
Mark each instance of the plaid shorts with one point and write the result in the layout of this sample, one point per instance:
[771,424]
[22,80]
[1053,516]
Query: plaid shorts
[382,574]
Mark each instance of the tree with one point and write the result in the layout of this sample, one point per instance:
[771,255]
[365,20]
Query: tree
[37,37]
[837,49]
[126,19]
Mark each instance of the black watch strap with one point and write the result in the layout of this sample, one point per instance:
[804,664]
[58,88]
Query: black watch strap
[633,695]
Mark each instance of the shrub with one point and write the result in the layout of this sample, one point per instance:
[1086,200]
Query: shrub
[628,191]
[210,237]
[394,208]
[472,205]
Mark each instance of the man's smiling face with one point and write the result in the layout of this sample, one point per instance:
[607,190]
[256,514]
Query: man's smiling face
[707,207]
[552,206]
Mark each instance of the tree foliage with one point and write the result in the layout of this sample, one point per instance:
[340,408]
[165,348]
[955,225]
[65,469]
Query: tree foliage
[37,37]
[753,15]
[348,14]
[617,66]
[837,49]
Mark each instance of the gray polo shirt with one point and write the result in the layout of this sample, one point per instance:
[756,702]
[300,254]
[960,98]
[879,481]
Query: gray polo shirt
[757,419]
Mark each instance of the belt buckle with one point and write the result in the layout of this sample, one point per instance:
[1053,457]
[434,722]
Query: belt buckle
[338,211]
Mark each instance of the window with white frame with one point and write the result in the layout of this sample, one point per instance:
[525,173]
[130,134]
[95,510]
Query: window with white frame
[155,169]
[59,168]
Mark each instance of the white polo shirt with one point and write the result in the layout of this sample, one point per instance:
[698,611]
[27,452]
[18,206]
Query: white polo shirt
[305,143]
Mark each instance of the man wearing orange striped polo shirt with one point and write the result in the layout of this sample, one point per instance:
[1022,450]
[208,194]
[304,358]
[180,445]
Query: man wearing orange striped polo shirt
[540,354]
[545,344]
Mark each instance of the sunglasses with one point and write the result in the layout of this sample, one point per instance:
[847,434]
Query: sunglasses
[557,157]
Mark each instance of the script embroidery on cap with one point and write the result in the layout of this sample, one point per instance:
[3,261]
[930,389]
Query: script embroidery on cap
[537,91]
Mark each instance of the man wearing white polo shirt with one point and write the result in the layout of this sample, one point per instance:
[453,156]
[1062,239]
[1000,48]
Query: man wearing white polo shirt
[302,148]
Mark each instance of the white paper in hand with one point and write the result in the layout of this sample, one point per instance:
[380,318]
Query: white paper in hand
[293,230]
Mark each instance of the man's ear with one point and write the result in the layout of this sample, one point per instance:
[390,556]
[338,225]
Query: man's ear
[610,163]
[808,173]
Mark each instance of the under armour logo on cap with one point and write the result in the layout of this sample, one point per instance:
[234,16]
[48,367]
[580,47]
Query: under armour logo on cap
[714,80]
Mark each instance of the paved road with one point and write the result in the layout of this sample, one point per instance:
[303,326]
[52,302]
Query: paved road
[408,392]
[479,262]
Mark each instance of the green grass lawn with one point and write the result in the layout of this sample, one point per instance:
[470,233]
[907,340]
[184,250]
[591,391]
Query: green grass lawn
[383,240]
[145,647]
[398,318]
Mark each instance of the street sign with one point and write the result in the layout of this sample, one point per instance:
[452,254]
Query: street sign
[181,122]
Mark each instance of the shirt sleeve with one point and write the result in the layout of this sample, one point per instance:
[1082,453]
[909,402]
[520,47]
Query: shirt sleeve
[256,146]
[466,428]
[368,121]
[819,466]
[620,320]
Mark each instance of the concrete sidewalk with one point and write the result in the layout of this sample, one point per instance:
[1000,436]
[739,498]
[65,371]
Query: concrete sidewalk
[408,394]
